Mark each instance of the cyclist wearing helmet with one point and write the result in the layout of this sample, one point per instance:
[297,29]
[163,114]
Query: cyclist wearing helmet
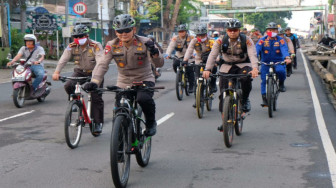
[295,41]
[34,54]
[290,50]
[215,35]
[272,48]
[132,54]
[84,52]
[180,43]
[202,44]
[255,35]
[239,55]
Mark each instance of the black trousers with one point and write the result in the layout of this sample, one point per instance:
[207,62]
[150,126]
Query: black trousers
[213,71]
[246,83]
[189,72]
[145,100]
[97,107]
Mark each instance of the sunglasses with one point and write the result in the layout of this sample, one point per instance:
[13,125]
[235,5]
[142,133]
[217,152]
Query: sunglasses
[232,30]
[79,36]
[124,30]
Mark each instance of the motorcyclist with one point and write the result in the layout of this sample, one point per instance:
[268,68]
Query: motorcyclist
[272,48]
[34,54]
[132,54]
[239,54]
[295,42]
[215,35]
[180,43]
[291,50]
[84,52]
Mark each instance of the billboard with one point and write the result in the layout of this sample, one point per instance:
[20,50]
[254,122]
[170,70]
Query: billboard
[264,3]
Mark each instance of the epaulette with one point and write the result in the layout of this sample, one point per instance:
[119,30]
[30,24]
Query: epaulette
[261,42]
[92,44]
[219,41]
[73,44]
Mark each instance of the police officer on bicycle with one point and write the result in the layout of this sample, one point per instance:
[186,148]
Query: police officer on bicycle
[84,52]
[132,54]
[202,44]
[291,50]
[240,57]
[180,43]
[272,48]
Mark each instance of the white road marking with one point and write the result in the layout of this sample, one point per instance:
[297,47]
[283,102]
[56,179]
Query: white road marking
[165,118]
[17,115]
[169,69]
[326,141]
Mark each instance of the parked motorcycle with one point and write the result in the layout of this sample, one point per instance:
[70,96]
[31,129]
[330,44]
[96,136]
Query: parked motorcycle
[22,84]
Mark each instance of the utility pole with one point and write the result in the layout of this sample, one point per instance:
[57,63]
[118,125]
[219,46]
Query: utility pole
[334,22]
[66,20]
[101,21]
[4,24]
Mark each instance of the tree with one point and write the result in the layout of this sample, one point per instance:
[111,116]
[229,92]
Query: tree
[4,25]
[261,19]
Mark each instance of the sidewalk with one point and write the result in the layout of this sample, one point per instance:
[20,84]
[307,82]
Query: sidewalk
[49,66]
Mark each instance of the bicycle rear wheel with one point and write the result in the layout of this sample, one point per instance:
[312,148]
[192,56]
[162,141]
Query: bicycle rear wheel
[120,145]
[228,121]
[145,143]
[270,96]
[209,97]
[73,123]
[179,85]
[239,117]
[200,99]
[186,84]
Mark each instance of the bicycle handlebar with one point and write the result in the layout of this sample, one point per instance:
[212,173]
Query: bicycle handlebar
[233,75]
[64,78]
[133,88]
[272,63]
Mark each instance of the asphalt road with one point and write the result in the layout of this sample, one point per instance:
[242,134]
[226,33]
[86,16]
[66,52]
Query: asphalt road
[284,151]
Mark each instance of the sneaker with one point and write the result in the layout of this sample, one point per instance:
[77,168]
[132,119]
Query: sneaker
[151,130]
[264,100]
[246,105]
[282,87]
[98,127]
[194,105]
[191,89]
[213,89]
[220,128]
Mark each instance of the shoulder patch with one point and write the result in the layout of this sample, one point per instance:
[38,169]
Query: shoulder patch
[71,45]
[261,42]
[282,41]
[219,41]
[107,49]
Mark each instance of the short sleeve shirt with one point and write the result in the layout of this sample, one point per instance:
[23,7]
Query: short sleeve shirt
[36,55]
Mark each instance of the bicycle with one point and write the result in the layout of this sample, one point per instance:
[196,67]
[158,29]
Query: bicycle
[272,87]
[181,82]
[128,133]
[78,114]
[203,93]
[232,113]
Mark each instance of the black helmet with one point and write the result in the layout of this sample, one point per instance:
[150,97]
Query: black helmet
[233,23]
[287,28]
[123,21]
[201,29]
[80,30]
[182,27]
[281,31]
[272,25]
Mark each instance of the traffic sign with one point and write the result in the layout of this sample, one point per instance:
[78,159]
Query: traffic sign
[80,8]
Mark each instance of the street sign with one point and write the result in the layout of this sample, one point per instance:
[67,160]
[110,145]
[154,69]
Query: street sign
[44,22]
[80,8]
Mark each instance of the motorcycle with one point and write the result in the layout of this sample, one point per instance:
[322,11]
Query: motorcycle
[22,84]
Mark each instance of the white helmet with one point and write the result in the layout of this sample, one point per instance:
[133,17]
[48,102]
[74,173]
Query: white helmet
[216,32]
[30,37]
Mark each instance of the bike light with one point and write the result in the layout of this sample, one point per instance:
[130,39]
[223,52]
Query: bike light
[19,69]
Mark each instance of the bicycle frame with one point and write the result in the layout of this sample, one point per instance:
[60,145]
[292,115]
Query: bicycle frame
[79,96]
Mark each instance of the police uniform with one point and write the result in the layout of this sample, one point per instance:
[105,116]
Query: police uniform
[38,70]
[133,66]
[85,60]
[235,62]
[255,38]
[290,51]
[181,46]
[272,50]
[296,45]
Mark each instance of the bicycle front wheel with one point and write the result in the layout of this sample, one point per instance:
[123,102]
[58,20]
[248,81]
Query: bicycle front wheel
[200,99]
[145,143]
[238,109]
[209,97]
[186,84]
[270,96]
[73,124]
[120,146]
[228,121]
[179,85]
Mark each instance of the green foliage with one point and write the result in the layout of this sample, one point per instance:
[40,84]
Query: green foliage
[261,19]
[17,41]
[3,62]
[330,3]
[188,10]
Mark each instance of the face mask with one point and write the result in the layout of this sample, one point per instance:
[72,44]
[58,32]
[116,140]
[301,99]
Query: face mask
[271,34]
[80,41]
[204,39]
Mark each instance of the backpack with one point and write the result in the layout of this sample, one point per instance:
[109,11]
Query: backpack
[225,46]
